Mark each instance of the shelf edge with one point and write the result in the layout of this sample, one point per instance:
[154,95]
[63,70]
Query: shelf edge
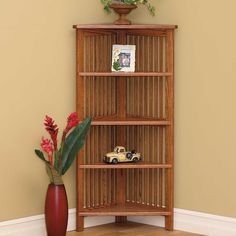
[125,166]
[142,122]
[127,213]
[132,26]
[126,74]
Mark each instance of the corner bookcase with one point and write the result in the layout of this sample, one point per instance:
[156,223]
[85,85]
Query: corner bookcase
[134,110]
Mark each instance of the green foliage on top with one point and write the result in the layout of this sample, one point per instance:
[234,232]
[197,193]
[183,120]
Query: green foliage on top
[107,4]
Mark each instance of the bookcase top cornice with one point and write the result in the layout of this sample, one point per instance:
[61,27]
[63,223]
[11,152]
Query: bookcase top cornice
[134,26]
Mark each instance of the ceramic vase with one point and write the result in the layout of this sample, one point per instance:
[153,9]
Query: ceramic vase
[56,210]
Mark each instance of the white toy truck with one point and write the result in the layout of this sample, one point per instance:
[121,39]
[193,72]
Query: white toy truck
[121,155]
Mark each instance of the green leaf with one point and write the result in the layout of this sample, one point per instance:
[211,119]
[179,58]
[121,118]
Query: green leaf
[57,159]
[53,175]
[116,66]
[107,4]
[73,154]
[73,143]
[40,155]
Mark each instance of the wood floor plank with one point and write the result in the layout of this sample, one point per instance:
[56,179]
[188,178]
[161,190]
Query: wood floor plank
[128,229]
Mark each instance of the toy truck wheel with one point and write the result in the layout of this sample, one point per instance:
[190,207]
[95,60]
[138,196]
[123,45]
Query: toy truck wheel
[129,155]
[135,159]
[114,161]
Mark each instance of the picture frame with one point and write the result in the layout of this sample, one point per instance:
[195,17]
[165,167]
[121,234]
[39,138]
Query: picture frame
[123,58]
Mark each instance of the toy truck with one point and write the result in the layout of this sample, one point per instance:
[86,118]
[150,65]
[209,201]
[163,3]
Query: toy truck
[121,155]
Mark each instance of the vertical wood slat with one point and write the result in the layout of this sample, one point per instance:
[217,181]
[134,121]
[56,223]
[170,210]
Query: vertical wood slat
[104,79]
[156,114]
[135,171]
[141,80]
[151,170]
[114,89]
[145,80]
[108,88]
[145,171]
[80,111]
[96,80]
[170,130]
[160,89]
[103,171]
[155,171]
[141,109]
[151,79]
[88,180]
[156,80]
[90,154]
[136,88]
[109,145]
[96,179]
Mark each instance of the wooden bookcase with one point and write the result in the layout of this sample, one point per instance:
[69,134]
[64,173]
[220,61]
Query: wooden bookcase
[134,110]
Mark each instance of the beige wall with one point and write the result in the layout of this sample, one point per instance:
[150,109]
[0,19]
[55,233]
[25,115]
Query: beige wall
[37,77]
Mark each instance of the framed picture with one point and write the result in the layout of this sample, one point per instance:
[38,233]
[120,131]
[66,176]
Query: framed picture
[123,58]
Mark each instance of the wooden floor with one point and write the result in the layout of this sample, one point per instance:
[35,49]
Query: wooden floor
[128,229]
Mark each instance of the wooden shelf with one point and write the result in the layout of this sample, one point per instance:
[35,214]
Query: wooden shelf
[125,74]
[128,165]
[125,210]
[122,122]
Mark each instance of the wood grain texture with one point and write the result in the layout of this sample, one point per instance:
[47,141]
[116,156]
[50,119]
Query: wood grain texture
[128,229]
[125,27]
[130,121]
[125,74]
[80,109]
[134,110]
[139,165]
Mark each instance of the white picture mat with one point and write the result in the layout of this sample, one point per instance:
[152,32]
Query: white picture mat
[125,55]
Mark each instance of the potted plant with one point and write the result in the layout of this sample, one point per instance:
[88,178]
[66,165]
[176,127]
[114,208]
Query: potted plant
[124,7]
[58,160]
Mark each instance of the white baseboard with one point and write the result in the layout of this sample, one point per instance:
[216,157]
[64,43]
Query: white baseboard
[195,222]
[184,220]
[35,225]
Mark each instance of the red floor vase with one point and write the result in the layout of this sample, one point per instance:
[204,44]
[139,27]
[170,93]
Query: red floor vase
[56,210]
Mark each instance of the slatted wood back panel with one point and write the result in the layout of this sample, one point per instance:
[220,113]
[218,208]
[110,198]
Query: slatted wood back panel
[150,51]
[100,140]
[147,186]
[100,92]
[146,97]
[150,141]
[100,188]
[100,185]
[100,96]
[144,187]
[97,50]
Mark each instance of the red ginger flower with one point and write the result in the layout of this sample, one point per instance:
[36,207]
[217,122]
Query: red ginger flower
[52,129]
[48,148]
[72,121]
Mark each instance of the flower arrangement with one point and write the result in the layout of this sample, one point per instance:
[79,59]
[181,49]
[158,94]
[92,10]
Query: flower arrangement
[59,159]
[107,4]
[116,65]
